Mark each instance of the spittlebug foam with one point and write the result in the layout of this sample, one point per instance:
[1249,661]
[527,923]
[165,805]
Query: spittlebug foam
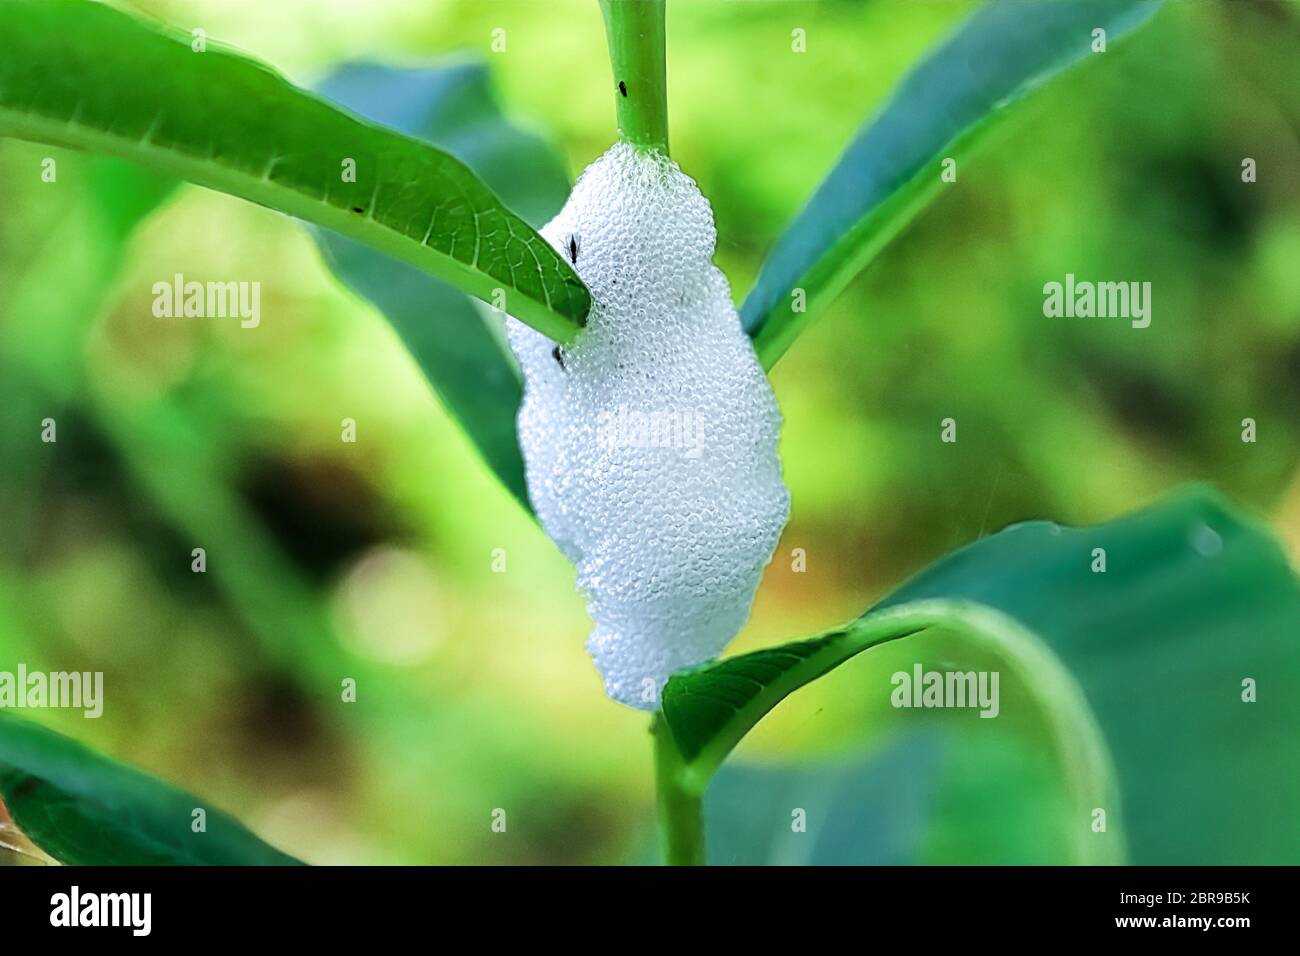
[651,440]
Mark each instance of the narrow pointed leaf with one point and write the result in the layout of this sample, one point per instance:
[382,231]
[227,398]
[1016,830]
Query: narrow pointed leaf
[84,809]
[81,74]
[891,170]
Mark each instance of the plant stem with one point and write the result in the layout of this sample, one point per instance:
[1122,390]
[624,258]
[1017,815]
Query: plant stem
[681,810]
[635,31]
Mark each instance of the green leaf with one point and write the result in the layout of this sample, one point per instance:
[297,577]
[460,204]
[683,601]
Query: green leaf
[710,710]
[891,170]
[871,810]
[452,107]
[86,810]
[923,795]
[81,74]
[1136,674]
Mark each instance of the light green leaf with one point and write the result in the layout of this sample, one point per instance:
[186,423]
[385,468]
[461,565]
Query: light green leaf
[86,810]
[80,74]
[1136,673]
[891,170]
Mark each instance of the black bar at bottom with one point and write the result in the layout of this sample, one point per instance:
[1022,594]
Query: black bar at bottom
[332,905]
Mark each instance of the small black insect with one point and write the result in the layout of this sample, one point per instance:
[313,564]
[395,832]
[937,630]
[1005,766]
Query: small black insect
[558,355]
[622,87]
[357,209]
[573,249]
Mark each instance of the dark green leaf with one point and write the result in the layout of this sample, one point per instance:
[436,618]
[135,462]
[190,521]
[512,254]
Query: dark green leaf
[872,811]
[84,809]
[923,795]
[1136,674]
[453,108]
[891,169]
[81,74]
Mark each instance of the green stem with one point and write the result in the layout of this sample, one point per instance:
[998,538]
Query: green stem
[635,31]
[681,811]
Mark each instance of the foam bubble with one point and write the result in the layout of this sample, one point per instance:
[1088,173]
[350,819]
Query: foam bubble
[651,442]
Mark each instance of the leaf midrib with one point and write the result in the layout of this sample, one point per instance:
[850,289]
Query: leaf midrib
[204,171]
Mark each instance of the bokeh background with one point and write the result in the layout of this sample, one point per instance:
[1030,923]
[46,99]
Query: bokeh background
[374,560]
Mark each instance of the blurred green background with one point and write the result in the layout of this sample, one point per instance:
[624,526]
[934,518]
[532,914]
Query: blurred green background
[374,560]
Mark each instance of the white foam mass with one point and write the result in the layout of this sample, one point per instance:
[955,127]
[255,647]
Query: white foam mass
[651,441]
